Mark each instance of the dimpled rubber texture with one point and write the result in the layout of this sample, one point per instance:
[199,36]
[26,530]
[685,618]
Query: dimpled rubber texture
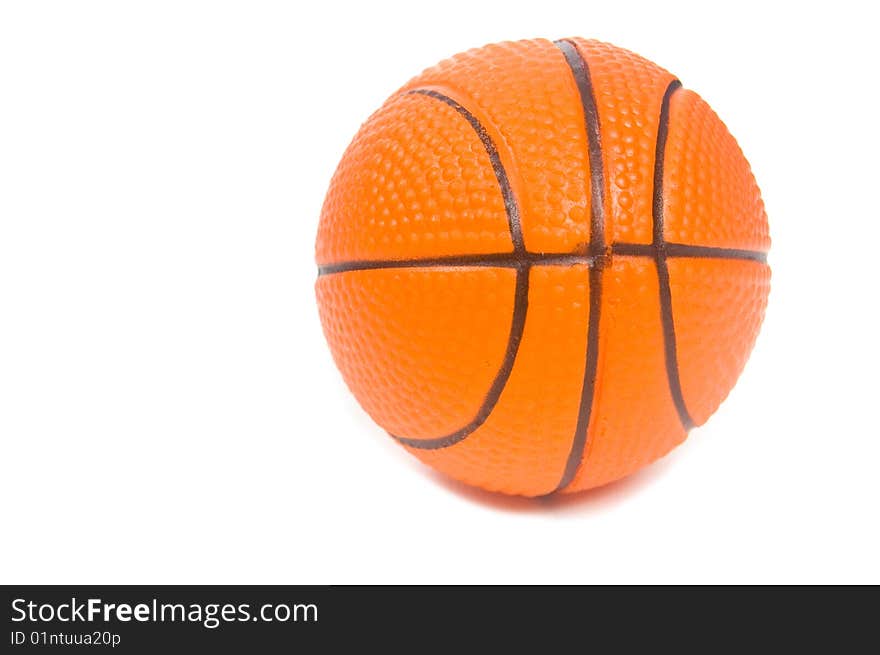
[524,92]
[712,199]
[387,325]
[457,276]
[415,182]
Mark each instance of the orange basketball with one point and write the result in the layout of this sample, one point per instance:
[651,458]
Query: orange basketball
[541,263]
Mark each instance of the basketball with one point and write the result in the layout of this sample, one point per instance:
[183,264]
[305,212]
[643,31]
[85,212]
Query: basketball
[540,264]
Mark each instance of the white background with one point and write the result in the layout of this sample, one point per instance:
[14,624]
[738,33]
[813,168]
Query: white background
[170,413]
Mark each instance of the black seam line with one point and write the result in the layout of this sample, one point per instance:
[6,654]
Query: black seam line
[525,258]
[520,307]
[510,205]
[496,260]
[688,250]
[521,293]
[581,73]
[661,249]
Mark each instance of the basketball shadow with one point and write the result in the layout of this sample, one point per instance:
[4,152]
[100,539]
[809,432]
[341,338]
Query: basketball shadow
[593,500]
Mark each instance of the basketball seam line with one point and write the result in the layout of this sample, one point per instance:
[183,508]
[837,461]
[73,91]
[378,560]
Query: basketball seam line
[513,260]
[670,346]
[521,293]
[511,208]
[580,70]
